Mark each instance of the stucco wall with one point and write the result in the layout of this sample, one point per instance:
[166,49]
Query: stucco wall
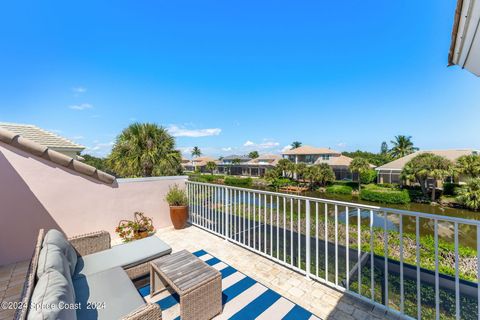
[35,193]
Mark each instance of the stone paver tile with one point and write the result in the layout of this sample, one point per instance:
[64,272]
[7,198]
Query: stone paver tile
[345,307]
[360,314]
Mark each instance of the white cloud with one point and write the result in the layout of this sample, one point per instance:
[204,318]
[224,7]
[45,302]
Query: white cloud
[266,144]
[341,144]
[193,133]
[79,90]
[78,137]
[100,149]
[80,107]
[227,149]
[286,148]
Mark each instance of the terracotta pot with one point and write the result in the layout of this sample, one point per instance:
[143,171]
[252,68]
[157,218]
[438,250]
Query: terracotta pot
[179,216]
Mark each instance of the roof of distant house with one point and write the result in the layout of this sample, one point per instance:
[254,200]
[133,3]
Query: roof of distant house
[267,159]
[307,150]
[199,162]
[451,155]
[41,136]
[234,156]
[18,141]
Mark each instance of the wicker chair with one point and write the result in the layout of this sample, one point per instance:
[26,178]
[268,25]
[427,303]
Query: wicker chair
[85,245]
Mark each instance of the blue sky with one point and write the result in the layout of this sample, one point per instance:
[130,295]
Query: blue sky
[235,76]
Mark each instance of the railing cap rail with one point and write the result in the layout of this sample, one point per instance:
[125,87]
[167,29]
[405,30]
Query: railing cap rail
[349,204]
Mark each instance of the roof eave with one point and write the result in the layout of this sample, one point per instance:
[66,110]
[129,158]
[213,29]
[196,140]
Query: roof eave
[456,23]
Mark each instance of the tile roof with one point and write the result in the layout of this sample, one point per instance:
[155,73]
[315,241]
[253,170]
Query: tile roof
[340,161]
[310,150]
[36,149]
[234,156]
[199,162]
[266,159]
[40,136]
[451,155]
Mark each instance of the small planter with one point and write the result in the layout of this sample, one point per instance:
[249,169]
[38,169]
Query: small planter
[179,216]
[140,234]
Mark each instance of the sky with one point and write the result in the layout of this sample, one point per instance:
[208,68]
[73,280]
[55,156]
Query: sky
[235,76]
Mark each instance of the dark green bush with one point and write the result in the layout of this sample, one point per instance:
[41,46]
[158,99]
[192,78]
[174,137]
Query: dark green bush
[384,195]
[368,176]
[238,182]
[388,185]
[450,189]
[339,189]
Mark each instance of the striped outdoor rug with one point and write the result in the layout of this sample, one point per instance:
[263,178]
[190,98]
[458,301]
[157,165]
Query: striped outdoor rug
[243,297]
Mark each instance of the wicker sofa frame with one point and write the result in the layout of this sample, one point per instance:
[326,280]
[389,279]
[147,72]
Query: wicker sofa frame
[86,244]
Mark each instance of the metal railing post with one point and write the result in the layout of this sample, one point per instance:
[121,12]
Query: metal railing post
[307,235]
[227,202]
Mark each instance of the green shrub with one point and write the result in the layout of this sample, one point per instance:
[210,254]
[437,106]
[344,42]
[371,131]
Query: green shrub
[351,184]
[281,182]
[176,196]
[238,182]
[451,189]
[339,189]
[388,185]
[384,195]
[368,176]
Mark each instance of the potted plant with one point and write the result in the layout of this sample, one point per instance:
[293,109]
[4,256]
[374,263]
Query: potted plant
[138,228]
[178,201]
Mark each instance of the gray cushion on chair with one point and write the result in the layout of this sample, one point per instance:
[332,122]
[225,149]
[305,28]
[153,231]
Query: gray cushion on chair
[57,238]
[52,258]
[125,255]
[113,289]
[52,289]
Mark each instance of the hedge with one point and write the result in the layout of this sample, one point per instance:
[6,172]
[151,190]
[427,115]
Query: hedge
[351,184]
[339,189]
[238,182]
[368,176]
[384,195]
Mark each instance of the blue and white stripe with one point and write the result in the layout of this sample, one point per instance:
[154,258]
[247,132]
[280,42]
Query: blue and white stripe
[243,297]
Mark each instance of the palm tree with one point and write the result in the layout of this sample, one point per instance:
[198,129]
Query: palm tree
[469,165]
[425,166]
[384,148]
[253,155]
[469,195]
[196,152]
[143,150]
[402,146]
[295,145]
[326,174]
[211,166]
[299,169]
[359,166]
[285,166]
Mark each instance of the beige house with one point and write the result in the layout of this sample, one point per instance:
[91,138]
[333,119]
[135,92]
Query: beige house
[312,155]
[199,163]
[45,138]
[390,172]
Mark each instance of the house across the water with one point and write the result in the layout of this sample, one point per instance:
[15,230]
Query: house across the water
[312,155]
[390,172]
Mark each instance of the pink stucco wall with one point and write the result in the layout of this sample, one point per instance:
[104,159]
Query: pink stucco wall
[35,193]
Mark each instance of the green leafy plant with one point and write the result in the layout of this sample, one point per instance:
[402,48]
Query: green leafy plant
[339,189]
[176,196]
[469,195]
[384,195]
[238,182]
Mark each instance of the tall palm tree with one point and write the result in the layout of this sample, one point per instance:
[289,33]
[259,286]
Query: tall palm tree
[296,144]
[253,155]
[196,152]
[359,165]
[469,165]
[425,166]
[143,150]
[285,166]
[211,166]
[402,146]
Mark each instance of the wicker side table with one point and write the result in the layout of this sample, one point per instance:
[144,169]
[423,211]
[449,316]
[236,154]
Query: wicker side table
[198,285]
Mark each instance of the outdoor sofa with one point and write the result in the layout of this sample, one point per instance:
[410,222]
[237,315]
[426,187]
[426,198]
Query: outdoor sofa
[86,271]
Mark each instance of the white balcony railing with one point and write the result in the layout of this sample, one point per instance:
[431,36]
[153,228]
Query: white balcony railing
[413,264]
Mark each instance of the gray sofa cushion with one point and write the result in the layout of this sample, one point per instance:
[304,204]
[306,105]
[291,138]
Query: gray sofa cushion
[52,258]
[125,255]
[111,290]
[57,238]
[52,289]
